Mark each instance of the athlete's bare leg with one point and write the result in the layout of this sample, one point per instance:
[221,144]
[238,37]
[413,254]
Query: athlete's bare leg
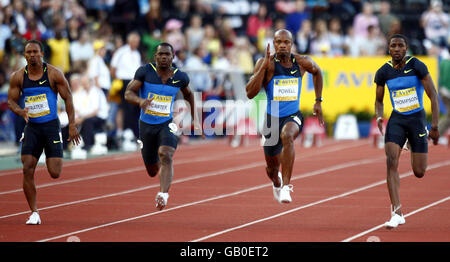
[288,134]
[29,187]
[393,180]
[419,162]
[272,168]
[54,166]
[166,172]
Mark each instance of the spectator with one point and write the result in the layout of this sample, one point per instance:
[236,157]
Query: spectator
[374,44]
[436,25]
[81,49]
[194,33]
[386,18]
[258,21]
[336,37]
[150,41]
[198,70]
[59,51]
[5,34]
[124,63]
[97,68]
[244,52]
[304,37]
[352,43]
[154,17]
[73,29]
[227,34]
[362,20]
[321,44]
[173,35]
[294,20]
[92,112]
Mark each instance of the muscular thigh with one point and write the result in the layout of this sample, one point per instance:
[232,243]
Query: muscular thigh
[417,134]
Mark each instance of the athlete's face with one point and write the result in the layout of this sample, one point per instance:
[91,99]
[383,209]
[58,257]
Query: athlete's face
[164,56]
[33,54]
[282,43]
[397,48]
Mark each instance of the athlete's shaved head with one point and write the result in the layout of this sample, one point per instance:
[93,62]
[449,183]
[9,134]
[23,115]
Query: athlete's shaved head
[283,31]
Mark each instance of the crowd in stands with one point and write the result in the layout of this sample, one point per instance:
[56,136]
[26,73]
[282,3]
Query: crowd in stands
[99,44]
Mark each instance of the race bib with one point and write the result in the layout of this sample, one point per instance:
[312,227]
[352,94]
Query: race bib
[285,89]
[160,106]
[37,105]
[405,100]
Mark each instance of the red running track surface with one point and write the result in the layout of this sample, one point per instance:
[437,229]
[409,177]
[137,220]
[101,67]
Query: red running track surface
[222,194]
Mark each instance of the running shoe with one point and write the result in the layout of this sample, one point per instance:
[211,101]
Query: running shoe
[276,190]
[161,200]
[396,220]
[285,195]
[34,219]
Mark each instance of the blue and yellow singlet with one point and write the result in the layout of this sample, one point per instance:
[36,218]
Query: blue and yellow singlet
[404,84]
[39,98]
[283,90]
[161,108]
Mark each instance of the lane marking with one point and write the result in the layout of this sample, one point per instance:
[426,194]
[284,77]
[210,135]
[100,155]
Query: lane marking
[176,162]
[208,174]
[308,174]
[407,215]
[437,165]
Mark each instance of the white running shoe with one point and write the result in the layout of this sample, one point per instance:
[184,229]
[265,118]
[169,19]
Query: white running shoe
[396,220]
[161,200]
[285,195]
[276,190]
[34,219]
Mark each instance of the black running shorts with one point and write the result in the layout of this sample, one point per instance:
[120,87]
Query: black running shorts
[412,127]
[38,137]
[154,136]
[272,143]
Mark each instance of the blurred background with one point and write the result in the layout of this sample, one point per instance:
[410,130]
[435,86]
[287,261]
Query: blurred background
[99,44]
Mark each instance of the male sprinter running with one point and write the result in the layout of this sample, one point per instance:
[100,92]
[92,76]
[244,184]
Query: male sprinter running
[38,84]
[406,78]
[154,88]
[281,75]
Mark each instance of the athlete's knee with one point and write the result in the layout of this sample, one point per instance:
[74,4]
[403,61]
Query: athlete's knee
[28,172]
[166,156]
[391,161]
[286,137]
[54,169]
[419,172]
[152,170]
[54,174]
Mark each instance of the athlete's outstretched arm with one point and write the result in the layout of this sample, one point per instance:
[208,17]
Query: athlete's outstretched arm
[428,85]
[256,80]
[14,95]
[63,88]
[189,97]
[311,67]
[379,107]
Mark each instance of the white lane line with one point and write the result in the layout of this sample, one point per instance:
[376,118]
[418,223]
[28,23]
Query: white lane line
[407,215]
[308,174]
[114,157]
[128,170]
[208,174]
[177,162]
[440,164]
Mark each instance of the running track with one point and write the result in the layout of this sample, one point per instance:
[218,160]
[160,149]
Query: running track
[222,194]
